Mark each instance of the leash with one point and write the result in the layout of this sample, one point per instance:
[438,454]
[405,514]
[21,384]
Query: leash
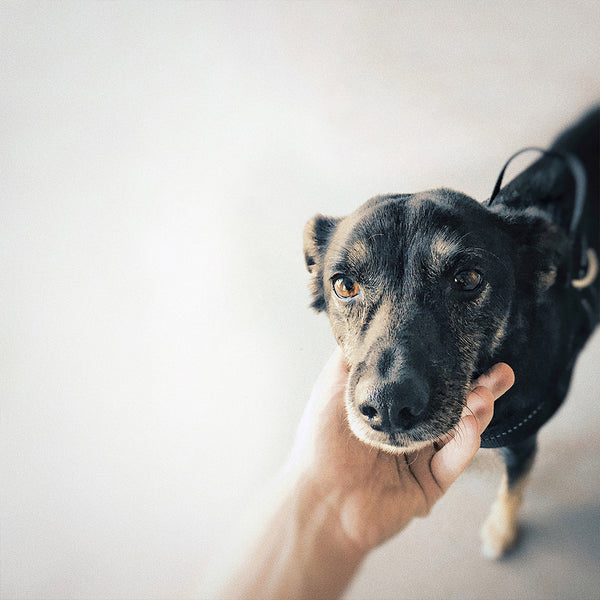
[588,260]
[526,423]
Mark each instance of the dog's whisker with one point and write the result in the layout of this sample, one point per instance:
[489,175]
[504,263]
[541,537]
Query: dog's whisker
[449,286]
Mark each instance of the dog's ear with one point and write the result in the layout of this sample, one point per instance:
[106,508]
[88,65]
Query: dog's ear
[542,247]
[550,183]
[317,234]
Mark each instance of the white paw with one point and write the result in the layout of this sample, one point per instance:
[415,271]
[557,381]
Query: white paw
[498,536]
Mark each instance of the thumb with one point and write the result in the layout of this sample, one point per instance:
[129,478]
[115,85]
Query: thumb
[453,458]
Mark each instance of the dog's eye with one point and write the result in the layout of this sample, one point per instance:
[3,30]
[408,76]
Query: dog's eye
[468,281]
[344,287]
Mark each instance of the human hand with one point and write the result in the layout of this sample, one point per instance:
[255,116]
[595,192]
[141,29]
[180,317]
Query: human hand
[372,493]
[337,497]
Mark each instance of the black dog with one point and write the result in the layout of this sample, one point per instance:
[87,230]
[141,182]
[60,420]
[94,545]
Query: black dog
[426,291]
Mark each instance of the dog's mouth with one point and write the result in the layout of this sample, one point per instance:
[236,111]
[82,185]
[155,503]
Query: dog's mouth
[399,430]
[400,443]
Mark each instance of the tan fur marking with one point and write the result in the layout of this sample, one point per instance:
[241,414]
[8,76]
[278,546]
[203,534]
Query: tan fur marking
[500,530]
[441,247]
[547,279]
[499,335]
[358,252]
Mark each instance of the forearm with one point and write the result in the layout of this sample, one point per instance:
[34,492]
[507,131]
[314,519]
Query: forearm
[303,552]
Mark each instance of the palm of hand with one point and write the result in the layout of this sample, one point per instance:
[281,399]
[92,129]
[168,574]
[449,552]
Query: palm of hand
[378,492]
[374,493]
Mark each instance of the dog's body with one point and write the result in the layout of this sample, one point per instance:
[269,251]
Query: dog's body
[425,291]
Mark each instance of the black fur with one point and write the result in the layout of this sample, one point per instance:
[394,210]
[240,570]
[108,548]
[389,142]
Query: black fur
[415,341]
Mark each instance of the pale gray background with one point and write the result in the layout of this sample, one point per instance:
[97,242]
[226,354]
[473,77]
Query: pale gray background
[158,162]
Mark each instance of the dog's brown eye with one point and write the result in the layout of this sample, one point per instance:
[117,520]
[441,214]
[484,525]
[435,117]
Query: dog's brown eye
[468,281]
[345,287]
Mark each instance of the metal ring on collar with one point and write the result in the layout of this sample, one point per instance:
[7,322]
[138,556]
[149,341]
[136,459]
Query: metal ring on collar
[592,271]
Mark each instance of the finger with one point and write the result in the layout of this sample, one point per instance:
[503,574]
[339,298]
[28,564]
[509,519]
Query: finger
[480,403]
[490,386]
[498,379]
[333,376]
[335,371]
[326,401]
[454,457]
[328,392]
[338,367]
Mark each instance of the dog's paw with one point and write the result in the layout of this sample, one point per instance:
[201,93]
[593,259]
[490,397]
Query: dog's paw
[498,534]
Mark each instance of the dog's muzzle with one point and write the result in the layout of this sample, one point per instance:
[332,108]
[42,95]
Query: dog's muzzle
[396,407]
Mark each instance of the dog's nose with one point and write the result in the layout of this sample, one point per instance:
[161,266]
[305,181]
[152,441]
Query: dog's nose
[397,406]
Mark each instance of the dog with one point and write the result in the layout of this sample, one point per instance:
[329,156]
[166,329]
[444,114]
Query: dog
[426,291]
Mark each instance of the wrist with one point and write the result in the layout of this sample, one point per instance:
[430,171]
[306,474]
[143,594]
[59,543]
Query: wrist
[320,507]
[329,556]
[303,552]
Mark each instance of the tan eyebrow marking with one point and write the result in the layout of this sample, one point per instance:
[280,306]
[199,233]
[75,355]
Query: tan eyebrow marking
[358,252]
[443,246]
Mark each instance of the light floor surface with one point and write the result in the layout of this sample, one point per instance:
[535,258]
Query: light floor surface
[158,162]
[559,550]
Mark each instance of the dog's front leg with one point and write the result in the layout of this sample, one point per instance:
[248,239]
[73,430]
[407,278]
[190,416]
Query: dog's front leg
[500,530]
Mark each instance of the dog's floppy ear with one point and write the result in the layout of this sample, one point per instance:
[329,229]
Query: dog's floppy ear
[542,247]
[317,234]
[542,240]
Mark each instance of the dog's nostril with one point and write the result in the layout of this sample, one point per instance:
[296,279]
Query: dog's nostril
[369,411]
[406,418]
[372,415]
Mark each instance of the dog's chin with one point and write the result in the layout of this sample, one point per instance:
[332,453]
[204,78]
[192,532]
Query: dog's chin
[397,443]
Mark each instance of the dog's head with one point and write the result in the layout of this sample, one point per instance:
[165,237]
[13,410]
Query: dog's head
[420,290]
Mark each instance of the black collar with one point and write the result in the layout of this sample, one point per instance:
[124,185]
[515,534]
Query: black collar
[515,430]
[528,422]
